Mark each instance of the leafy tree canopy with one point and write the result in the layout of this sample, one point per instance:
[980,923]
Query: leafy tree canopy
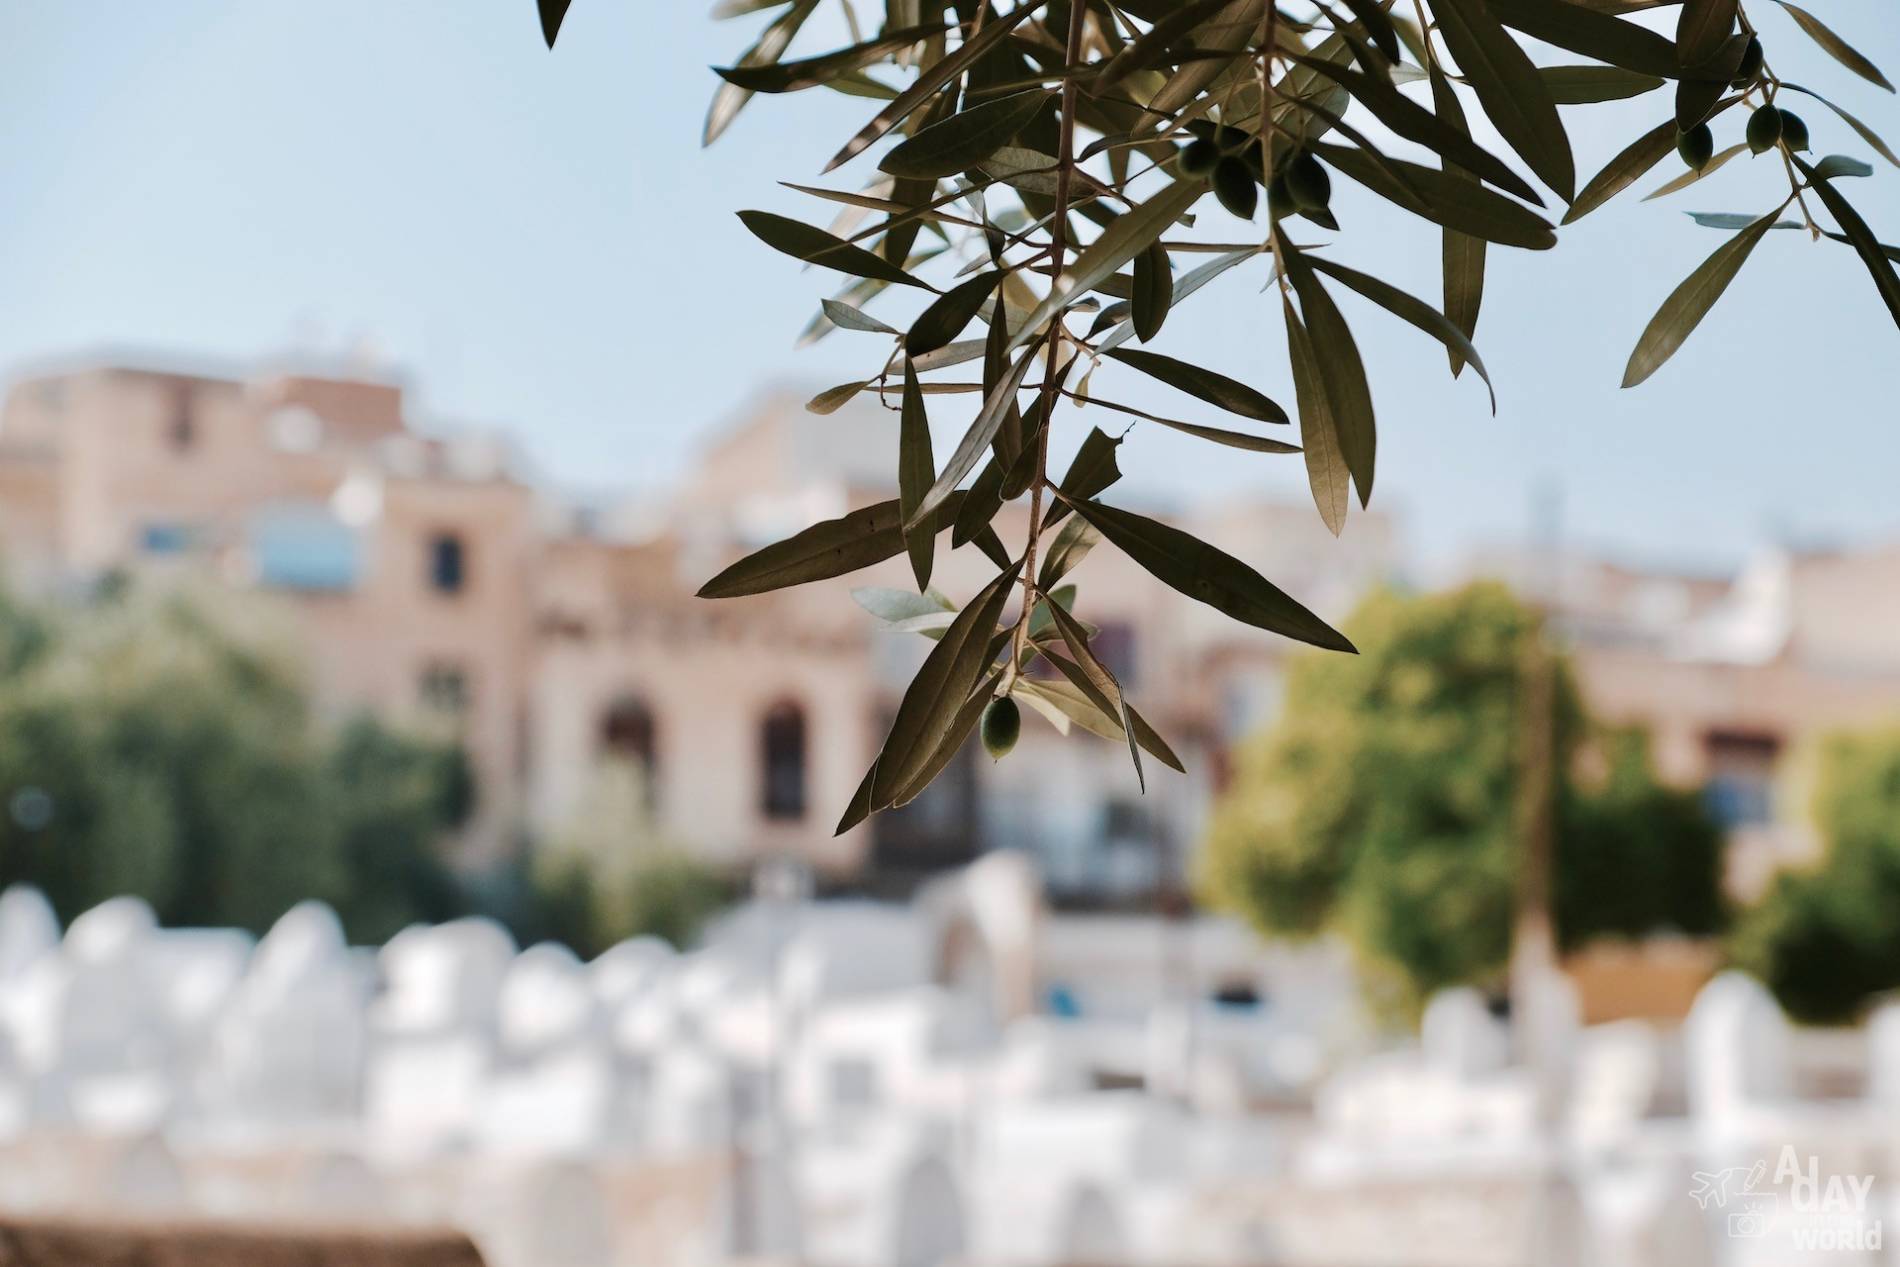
[1038,184]
[1824,939]
[148,748]
[1384,804]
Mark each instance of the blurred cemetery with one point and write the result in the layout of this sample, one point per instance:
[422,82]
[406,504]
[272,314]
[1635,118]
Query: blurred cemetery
[855,1082]
[395,844]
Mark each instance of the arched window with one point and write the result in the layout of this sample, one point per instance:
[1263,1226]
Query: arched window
[782,744]
[627,733]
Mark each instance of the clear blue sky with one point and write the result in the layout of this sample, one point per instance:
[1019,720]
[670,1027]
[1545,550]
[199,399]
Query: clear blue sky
[539,241]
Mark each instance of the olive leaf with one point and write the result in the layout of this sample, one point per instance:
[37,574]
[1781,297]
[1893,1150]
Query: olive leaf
[916,471]
[1100,678]
[1861,129]
[1326,471]
[1128,236]
[1092,470]
[1586,85]
[1445,199]
[996,405]
[1203,384]
[812,72]
[1580,29]
[552,14]
[963,140]
[1701,28]
[1207,574]
[1407,308]
[1691,301]
[1859,236]
[934,702]
[1624,170]
[1836,47]
[824,550]
[1070,547]
[1510,90]
[931,78]
[1461,256]
[815,246]
[1342,374]
[729,98]
[949,313]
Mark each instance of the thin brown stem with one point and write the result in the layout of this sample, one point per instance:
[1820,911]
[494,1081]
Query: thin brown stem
[1052,381]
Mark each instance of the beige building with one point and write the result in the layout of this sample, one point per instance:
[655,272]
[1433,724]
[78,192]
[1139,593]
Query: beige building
[432,584]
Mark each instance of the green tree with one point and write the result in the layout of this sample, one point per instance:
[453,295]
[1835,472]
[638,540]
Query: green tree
[610,875]
[147,747]
[1042,186]
[1383,805]
[1824,938]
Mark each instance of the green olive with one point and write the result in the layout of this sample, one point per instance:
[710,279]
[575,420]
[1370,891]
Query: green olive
[1234,186]
[1750,65]
[1307,183]
[1002,724]
[1199,158]
[1794,133]
[1697,146]
[1280,203]
[1764,130]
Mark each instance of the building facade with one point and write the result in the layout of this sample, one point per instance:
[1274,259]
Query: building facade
[433,584]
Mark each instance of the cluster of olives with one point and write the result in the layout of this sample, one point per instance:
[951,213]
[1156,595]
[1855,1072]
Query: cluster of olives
[1767,127]
[1230,158]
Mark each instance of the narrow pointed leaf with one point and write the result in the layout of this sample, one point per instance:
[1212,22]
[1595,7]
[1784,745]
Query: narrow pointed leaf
[1342,374]
[964,139]
[1219,435]
[1207,574]
[1445,199]
[1408,308]
[996,406]
[1700,29]
[1076,698]
[1860,237]
[1461,256]
[553,12]
[730,98]
[954,735]
[1835,166]
[933,77]
[847,317]
[1077,640]
[1604,36]
[935,697]
[1128,236]
[916,471]
[1510,90]
[1837,48]
[1733,220]
[1586,85]
[1689,175]
[1070,547]
[810,72]
[815,246]
[1866,133]
[1326,472]
[824,550]
[1092,470]
[949,313]
[1691,301]
[1414,122]
[1624,170]
[1203,384]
